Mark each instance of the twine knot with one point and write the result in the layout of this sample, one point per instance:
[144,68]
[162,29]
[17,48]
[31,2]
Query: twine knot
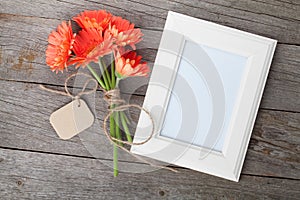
[78,95]
[113,99]
[116,104]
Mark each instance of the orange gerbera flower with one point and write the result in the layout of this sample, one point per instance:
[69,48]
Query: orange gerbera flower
[98,19]
[124,32]
[60,46]
[129,64]
[89,45]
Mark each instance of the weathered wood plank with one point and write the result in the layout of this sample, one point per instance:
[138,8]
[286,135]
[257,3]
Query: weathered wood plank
[278,20]
[275,135]
[22,58]
[283,83]
[284,9]
[34,176]
[272,166]
[25,110]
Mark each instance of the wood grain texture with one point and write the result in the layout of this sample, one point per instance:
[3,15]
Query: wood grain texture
[36,164]
[273,151]
[278,20]
[45,176]
[22,58]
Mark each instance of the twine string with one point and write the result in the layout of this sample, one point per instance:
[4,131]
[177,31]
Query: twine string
[117,104]
[78,95]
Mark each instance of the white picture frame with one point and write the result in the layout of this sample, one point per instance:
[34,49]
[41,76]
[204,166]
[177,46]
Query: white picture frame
[212,127]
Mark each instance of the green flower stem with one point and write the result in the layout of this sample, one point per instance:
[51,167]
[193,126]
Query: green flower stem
[113,77]
[117,82]
[116,171]
[126,119]
[115,151]
[111,82]
[115,148]
[97,77]
[118,135]
[126,129]
[103,73]
[113,127]
[114,118]
[106,73]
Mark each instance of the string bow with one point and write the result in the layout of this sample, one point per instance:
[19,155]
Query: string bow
[78,95]
[116,104]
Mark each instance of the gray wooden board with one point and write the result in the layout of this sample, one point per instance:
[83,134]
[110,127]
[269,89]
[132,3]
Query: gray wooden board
[22,58]
[279,20]
[274,147]
[30,175]
[35,164]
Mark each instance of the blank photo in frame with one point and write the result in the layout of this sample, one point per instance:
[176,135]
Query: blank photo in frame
[203,94]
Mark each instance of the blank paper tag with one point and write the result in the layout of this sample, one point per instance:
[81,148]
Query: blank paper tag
[71,119]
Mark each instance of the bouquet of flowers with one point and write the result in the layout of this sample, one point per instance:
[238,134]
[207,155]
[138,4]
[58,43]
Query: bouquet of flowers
[101,34]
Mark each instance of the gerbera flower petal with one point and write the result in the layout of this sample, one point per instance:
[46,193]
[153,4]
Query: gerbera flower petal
[129,64]
[124,32]
[89,45]
[98,19]
[60,45]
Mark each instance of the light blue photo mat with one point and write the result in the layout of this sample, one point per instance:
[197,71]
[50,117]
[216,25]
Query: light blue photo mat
[203,96]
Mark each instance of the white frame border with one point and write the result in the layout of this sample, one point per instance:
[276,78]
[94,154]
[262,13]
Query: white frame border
[259,51]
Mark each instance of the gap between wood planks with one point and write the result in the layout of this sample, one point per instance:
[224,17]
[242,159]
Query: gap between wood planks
[165,9]
[72,155]
[134,162]
[145,28]
[140,95]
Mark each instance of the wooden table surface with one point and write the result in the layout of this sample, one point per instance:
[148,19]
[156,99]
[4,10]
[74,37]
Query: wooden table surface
[36,164]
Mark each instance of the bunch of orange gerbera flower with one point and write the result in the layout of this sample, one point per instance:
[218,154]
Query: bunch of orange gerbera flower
[101,34]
